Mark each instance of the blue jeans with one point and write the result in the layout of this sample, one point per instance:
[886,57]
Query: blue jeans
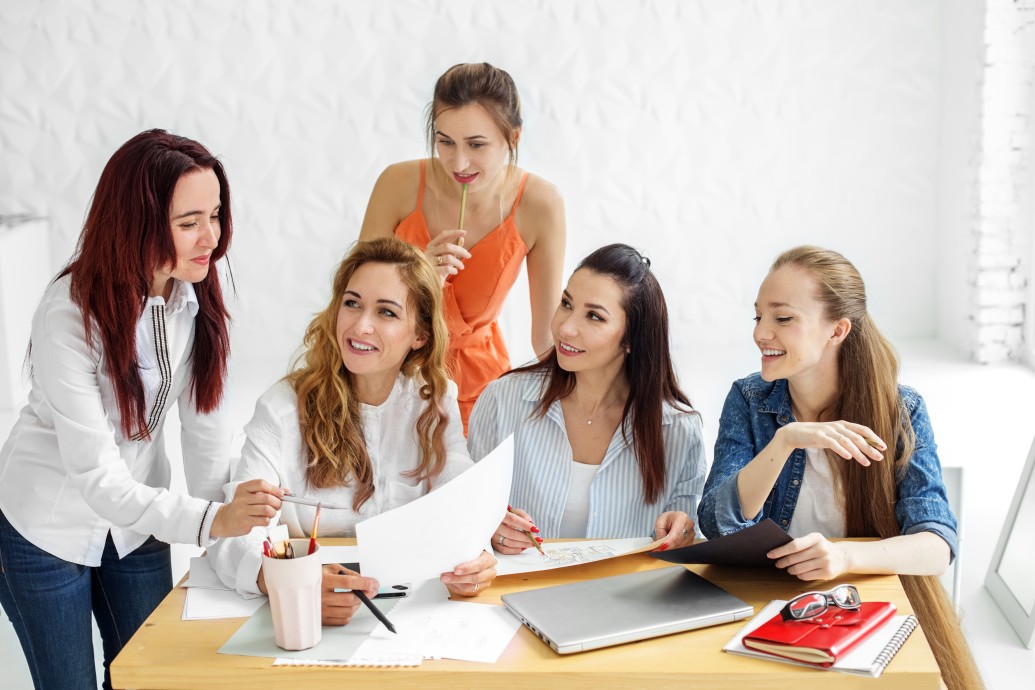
[50,600]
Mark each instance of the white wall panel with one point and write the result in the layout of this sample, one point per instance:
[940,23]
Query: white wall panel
[710,134]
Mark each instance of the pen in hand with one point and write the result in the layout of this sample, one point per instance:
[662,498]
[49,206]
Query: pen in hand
[531,537]
[361,595]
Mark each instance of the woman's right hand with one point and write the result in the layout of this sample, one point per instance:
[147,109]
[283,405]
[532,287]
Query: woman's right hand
[445,254]
[337,602]
[509,538]
[847,439]
[255,503]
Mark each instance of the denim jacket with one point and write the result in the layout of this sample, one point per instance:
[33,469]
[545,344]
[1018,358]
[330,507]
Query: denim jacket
[753,412]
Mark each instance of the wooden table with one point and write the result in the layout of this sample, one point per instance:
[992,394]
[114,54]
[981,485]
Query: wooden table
[171,653]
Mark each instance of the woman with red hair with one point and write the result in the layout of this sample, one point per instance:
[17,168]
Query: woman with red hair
[135,321]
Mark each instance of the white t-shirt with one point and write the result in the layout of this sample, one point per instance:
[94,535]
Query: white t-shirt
[576,507]
[819,508]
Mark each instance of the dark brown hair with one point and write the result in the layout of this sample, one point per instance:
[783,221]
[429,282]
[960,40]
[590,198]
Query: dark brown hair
[648,365]
[127,237]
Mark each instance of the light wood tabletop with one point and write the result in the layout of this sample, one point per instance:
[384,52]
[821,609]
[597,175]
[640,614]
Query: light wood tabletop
[168,653]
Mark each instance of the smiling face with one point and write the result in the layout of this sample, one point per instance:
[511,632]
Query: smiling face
[194,224]
[376,328]
[589,324]
[791,329]
[471,148]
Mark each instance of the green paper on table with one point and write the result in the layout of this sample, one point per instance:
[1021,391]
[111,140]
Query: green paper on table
[339,643]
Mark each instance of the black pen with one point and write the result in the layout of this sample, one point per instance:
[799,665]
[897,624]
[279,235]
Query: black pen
[374,610]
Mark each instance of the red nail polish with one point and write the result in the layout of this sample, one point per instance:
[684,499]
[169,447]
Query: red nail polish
[539,539]
[535,529]
[663,547]
[508,507]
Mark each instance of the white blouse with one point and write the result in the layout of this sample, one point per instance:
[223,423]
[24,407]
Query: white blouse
[275,451]
[576,506]
[68,476]
[819,507]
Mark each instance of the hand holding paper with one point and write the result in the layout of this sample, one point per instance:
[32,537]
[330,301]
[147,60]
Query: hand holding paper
[463,514]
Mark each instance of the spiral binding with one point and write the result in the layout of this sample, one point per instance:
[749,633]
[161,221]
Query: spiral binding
[895,643]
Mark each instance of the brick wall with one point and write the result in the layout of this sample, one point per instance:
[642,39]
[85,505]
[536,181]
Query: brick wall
[1004,218]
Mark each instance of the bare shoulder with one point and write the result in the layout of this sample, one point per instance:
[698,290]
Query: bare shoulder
[394,197]
[541,212]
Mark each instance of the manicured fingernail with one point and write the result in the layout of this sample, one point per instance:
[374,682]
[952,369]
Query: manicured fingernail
[663,547]
[535,529]
[539,539]
[508,507]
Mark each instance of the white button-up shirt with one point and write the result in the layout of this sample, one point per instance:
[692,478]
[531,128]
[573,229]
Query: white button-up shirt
[543,463]
[68,476]
[275,451]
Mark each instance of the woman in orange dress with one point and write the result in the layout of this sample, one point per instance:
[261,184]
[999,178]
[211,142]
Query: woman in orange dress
[509,216]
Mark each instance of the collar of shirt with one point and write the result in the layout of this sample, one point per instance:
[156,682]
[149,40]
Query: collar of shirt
[182,295]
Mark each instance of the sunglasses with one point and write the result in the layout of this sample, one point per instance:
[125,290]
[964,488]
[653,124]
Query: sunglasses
[812,604]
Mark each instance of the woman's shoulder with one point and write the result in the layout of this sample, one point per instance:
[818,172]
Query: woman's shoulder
[278,400]
[754,388]
[520,385]
[542,205]
[910,399]
[394,196]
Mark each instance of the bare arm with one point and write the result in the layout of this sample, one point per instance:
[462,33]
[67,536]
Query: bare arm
[812,557]
[391,200]
[545,259]
[756,479]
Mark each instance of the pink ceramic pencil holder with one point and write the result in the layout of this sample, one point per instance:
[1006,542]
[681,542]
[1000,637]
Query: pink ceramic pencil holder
[294,589]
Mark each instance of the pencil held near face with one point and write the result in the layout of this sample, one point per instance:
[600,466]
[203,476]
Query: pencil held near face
[446,253]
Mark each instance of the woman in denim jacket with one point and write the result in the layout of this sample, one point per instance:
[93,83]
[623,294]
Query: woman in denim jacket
[806,443]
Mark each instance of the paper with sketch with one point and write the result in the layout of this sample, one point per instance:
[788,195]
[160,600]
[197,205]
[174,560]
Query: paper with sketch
[437,532]
[563,554]
[255,637]
[747,547]
[428,624]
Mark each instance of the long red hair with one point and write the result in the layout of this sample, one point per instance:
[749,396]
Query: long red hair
[126,237]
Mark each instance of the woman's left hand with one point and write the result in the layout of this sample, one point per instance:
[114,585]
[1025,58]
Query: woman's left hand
[470,578]
[676,528]
[812,557]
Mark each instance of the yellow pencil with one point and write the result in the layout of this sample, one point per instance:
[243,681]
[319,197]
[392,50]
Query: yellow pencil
[531,537]
[463,205]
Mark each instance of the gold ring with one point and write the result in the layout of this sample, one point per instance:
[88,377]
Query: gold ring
[476,586]
[500,540]
[439,259]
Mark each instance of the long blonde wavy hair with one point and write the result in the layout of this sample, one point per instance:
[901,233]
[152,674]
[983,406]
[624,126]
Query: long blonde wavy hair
[328,412]
[868,395]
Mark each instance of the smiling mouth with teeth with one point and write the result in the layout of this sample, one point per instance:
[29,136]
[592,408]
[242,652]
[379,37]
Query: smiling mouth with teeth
[362,347]
[568,348]
[773,353]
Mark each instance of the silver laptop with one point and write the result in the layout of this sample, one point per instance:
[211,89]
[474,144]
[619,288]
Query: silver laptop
[624,608]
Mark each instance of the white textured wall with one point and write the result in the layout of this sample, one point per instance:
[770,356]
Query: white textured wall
[710,134]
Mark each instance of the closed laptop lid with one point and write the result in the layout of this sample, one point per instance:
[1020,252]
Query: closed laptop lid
[598,613]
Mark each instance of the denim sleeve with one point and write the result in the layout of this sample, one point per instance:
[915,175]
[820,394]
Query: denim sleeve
[720,512]
[922,505]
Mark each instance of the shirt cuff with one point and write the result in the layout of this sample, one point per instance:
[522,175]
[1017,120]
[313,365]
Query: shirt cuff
[205,539]
[729,517]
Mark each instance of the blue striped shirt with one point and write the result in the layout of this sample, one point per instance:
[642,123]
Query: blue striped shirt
[543,456]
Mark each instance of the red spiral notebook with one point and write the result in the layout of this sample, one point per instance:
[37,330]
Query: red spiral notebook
[821,640]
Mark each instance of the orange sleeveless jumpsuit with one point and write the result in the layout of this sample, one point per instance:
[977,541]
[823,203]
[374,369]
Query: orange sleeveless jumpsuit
[473,299]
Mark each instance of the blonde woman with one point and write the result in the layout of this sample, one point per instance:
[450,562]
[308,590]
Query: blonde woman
[826,442]
[367,419]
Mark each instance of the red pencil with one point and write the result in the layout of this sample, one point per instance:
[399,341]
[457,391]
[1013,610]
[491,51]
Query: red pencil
[312,534]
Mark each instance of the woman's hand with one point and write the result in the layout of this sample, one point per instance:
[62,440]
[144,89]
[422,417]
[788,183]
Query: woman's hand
[445,254]
[847,439]
[337,606]
[812,557]
[676,528]
[255,503]
[509,538]
[472,577]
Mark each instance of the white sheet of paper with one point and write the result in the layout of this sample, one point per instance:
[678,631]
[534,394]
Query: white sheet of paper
[437,532]
[563,554]
[339,554]
[201,574]
[205,604]
[428,624]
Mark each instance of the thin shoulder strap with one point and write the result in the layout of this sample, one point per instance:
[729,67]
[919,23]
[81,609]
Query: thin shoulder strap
[521,190]
[420,190]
